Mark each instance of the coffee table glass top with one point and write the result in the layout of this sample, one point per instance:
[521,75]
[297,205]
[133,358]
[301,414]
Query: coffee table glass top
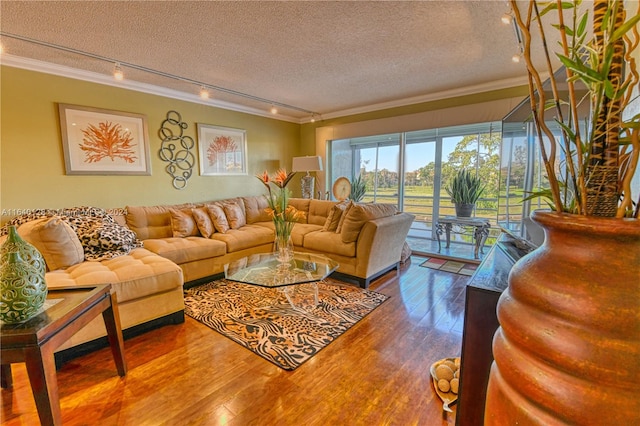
[265,270]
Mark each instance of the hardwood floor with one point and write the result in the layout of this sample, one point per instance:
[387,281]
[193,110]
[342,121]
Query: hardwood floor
[377,373]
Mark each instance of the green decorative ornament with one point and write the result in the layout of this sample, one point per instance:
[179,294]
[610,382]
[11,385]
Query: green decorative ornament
[28,253]
[23,287]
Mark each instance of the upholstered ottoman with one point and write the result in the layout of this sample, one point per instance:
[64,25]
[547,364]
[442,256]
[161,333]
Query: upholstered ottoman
[148,288]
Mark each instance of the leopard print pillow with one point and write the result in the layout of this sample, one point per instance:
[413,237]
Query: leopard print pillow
[100,235]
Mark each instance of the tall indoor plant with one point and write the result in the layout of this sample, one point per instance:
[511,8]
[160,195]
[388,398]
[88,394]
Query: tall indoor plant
[569,335]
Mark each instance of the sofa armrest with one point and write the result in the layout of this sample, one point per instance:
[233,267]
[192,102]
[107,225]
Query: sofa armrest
[380,242]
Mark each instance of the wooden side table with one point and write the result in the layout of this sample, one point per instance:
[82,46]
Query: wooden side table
[480,230]
[35,340]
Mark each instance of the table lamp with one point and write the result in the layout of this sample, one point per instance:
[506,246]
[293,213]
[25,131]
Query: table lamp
[307,164]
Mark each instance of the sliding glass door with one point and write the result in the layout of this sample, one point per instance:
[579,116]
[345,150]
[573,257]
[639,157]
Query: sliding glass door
[425,160]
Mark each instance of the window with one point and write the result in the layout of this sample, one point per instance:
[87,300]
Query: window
[410,169]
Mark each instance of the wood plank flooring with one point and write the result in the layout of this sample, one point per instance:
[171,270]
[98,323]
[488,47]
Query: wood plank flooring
[377,373]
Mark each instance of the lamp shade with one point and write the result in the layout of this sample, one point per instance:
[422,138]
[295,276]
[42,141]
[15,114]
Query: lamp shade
[307,164]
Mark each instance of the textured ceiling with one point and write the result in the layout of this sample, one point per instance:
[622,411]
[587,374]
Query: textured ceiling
[327,57]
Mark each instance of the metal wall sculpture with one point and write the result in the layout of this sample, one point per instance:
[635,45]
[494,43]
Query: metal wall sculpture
[176,149]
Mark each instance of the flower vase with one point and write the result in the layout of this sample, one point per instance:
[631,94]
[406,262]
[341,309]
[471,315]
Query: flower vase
[568,344]
[23,287]
[284,248]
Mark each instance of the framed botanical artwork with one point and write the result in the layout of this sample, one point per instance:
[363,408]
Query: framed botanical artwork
[103,142]
[222,150]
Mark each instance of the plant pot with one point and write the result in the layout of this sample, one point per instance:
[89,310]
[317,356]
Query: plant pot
[568,345]
[464,210]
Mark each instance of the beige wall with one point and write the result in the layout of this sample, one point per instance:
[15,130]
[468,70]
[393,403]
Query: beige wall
[32,170]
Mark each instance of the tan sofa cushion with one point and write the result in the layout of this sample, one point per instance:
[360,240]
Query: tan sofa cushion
[359,214]
[318,211]
[203,221]
[139,274]
[183,224]
[189,249]
[55,240]
[300,230]
[343,216]
[255,209]
[335,214]
[235,215]
[301,204]
[152,221]
[329,243]
[219,219]
[246,237]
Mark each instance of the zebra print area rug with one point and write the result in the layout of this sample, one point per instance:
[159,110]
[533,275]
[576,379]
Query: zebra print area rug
[263,321]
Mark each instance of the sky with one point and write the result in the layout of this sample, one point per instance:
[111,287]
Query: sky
[418,155]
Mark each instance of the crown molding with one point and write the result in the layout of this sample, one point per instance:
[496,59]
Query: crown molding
[93,77]
[445,94]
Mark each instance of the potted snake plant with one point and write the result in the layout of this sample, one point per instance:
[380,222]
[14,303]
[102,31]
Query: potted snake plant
[358,189]
[465,188]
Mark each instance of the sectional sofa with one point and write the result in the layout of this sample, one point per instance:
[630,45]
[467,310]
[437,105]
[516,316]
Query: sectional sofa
[201,238]
[148,253]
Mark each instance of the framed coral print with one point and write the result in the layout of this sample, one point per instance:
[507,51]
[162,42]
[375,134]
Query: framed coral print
[103,142]
[222,150]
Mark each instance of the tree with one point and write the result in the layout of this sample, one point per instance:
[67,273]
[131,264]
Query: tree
[477,152]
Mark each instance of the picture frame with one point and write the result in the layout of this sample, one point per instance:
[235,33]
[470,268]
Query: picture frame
[104,142]
[222,150]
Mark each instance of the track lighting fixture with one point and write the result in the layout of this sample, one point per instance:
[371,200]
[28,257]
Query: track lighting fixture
[117,72]
[507,19]
[119,75]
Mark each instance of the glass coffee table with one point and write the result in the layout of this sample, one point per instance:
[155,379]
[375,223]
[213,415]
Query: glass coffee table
[265,270]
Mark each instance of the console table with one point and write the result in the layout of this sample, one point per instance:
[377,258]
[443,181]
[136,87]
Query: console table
[480,324]
[34,341]
[480,226]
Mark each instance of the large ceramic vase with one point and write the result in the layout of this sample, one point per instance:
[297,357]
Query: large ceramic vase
[568,347]
[23,289]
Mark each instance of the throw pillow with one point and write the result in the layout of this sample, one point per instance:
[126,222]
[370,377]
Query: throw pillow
[343,216]
[182,223]
[255,208]
[101,236]
[234,214]
[218,218]
[55,240]
[203,221]
[359,214]
[331,224]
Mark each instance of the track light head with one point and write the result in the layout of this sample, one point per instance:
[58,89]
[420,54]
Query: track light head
[117,72]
